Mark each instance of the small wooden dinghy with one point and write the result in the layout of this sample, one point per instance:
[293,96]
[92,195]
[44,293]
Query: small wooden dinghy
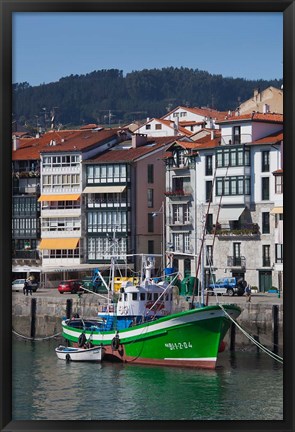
[80,354]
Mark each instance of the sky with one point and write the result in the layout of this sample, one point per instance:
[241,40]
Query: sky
[48,46]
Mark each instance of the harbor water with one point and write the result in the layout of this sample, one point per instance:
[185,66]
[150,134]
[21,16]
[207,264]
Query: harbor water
[245,386]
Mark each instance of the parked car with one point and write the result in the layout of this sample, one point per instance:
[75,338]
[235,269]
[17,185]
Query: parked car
[70,286]
[227,285]
[18,285]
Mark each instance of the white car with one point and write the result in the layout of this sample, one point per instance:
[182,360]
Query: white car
[18,284]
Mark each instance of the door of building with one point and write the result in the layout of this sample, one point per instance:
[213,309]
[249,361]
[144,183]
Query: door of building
[265,281]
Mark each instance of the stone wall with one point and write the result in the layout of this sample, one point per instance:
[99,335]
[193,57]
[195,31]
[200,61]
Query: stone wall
[255,319]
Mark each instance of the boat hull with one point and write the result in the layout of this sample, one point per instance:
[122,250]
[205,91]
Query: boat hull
[189,339]
[95,354]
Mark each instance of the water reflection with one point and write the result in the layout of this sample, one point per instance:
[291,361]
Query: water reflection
[47,388]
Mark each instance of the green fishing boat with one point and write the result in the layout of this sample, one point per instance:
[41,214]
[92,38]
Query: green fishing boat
[147,326]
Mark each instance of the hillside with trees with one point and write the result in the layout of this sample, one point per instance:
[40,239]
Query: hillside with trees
[109,97]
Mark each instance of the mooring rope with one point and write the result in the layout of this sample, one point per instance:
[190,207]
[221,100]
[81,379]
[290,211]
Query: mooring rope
[35,339]
[258,344]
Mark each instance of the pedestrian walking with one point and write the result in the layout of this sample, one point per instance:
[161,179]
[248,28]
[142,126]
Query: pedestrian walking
[28,287]
[248,293]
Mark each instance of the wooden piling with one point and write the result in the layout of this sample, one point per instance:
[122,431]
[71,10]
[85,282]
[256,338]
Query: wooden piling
[69,308]
[256,337]
[33,317]
[232,337]
[275,328]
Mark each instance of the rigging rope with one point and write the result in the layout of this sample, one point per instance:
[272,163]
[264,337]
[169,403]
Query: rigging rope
[35,339]
[258,344]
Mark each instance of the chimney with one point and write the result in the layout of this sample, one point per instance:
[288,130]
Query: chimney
[256,92]
[212,134]
[15,143]
[138,140]
[176,126]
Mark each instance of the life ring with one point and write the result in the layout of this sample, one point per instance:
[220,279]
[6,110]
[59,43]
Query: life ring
[115,343]
[82,340]
[68,357]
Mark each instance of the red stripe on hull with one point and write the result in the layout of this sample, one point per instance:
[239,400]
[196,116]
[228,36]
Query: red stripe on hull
[119,355]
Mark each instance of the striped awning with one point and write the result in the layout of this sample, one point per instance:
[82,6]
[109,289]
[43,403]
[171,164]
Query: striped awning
[64,197]
[59,243]
[104,189]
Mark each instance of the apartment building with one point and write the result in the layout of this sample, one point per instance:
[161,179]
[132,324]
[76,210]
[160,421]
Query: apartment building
[124,189]
[228,185]
[47,187]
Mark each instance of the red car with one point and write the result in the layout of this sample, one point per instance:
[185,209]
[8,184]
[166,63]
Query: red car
[70,286]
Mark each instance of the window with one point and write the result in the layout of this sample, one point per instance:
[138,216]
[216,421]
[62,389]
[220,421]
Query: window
[150,198]
[233,185]
[265,161]
[150,173]
[265,188]
[278,184]
[209,255]
[151,248]
[236,134]
[176,213]
[279,253]
[148,127]
[176,242]
[209,222]
[234,156]
[150,223]
[265,223]
[209,191]
[278,218]
[237,254]
[266,256]
[209,168]
[158,126]
[186,242]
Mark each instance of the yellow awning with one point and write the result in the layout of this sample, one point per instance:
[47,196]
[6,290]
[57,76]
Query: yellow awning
[104,189]
[59,243]
[67,197]
[277,210]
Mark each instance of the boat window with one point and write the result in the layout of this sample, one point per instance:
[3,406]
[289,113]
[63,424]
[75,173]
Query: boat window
[125,297]
[149,296]
[142,296]
[134,296]
[166,297]
[171,296]
[156,295]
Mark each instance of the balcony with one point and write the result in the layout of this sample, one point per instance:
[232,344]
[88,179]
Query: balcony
[245,231]
[178,193]
[187,222]
[233,261]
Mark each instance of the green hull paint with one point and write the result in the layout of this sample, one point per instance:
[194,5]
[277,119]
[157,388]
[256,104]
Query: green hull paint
[185,336]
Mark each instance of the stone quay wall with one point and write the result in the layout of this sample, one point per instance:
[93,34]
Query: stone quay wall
[40,317]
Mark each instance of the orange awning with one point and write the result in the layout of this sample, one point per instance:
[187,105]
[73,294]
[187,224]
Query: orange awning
[67,197]
[59,243]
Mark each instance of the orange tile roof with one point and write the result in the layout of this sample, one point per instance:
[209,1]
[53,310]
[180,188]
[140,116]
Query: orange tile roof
[131,154]
[256,116]
[273,138]
[279,171]
[66,140]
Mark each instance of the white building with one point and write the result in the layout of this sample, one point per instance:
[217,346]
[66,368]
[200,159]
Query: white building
[61,200]
[231,190]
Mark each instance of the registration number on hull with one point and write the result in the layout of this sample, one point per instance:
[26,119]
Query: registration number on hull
[178,345]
